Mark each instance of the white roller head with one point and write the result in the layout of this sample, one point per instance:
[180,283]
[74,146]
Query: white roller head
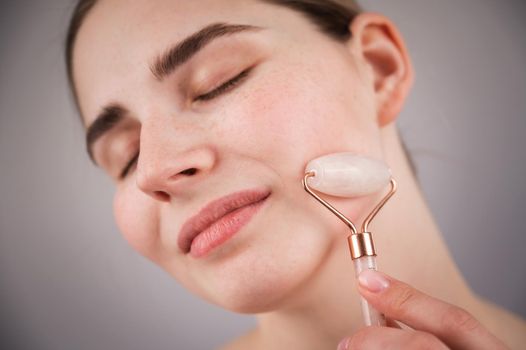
[348,174]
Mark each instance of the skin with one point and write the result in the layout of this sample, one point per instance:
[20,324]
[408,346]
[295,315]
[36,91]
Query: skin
[306,96]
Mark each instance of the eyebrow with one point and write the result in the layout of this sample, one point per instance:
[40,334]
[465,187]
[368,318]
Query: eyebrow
[187,48]
[163,65]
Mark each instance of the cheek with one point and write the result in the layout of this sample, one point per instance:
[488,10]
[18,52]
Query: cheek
[293,120]
[136,219]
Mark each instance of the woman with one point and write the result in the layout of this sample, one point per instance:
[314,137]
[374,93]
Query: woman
[196,108]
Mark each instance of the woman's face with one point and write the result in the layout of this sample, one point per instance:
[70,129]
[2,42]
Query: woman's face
[303,95]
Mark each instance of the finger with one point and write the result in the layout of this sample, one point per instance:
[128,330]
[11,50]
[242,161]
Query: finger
[453,325]
[386,338]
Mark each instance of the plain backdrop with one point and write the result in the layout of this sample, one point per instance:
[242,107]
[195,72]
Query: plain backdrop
[69,281]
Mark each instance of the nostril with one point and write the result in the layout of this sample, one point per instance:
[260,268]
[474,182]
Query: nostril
[162,196]
[190,171]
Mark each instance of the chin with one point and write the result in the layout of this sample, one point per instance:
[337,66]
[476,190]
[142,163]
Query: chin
[267,273]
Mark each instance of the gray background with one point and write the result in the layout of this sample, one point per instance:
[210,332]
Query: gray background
[68,280]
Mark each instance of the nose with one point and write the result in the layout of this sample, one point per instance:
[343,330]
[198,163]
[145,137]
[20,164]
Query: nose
[168,166]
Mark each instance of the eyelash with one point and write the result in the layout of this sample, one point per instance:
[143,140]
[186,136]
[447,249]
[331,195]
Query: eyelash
[129,166]
[229,85]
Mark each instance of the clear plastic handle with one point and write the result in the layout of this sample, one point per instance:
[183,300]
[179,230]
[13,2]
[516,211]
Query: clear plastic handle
[371,316]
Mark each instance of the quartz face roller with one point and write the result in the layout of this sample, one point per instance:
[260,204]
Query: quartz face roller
[348,175]
[351,175]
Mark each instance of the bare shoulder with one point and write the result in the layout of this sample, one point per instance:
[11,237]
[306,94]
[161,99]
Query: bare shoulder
[244,342]
[506,325]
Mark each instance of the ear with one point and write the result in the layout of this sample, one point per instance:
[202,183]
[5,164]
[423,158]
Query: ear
[380,49]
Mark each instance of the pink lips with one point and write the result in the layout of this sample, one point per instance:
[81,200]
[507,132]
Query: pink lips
[219,220]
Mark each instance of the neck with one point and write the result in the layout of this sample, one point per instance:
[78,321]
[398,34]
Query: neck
[328,309]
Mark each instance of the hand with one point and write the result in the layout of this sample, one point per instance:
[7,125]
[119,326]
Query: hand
[435,324]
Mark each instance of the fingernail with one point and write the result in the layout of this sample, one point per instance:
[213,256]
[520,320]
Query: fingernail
[344,344]
[373,281]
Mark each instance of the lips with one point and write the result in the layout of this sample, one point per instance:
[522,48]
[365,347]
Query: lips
[216,210]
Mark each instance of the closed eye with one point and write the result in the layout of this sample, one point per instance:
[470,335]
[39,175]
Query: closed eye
[129,166]
[229,85]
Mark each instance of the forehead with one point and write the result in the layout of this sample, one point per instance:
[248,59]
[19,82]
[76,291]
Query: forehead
[119,38]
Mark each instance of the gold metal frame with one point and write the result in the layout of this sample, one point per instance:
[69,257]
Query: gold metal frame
[360,243]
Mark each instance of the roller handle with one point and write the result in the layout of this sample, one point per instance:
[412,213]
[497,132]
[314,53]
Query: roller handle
[371,316]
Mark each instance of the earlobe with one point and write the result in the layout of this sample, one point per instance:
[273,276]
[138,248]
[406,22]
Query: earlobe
[379,45]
